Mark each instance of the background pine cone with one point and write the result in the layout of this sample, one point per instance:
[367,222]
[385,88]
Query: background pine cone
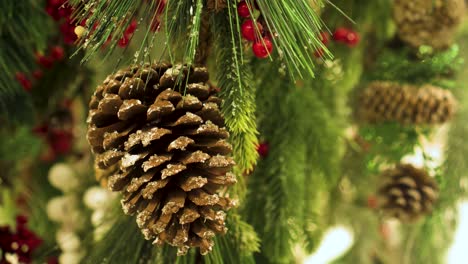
[164,151]
[406,104]
[428,22]
[407,192]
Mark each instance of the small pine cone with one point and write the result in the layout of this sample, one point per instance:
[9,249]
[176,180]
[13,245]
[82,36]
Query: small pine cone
[407,193]
[166,152]
[407,104]
[428,22]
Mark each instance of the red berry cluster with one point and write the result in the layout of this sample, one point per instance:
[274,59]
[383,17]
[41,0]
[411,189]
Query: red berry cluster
[59,10]
[346,36]
[128,33]
[156,21]
[253,31]
[341,35]
[57,132]
[56,53]
[20,241]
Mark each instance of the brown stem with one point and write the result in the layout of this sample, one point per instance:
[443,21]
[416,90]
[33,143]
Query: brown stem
[205,40]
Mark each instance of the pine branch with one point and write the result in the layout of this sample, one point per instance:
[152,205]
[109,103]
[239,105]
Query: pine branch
[123,243]
[275,201]
[234,80]
[399,66]
[24,28]
[298,28]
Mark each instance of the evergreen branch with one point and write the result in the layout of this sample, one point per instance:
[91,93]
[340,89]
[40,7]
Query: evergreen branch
[399,66]
[234,80]
[297,26]
[24,28]
[123,243]
[275,201]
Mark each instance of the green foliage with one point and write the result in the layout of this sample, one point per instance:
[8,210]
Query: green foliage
[432,234]
[237,246]
[23,30]
[7,209]
[18,144]
[121,244]
[402,65]
[237,91]
[285,190]
[275,200]
[183,27]
[389,142]
[295,21]
[299,28]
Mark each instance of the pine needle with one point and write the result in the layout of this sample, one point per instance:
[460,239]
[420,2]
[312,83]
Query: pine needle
[237,91]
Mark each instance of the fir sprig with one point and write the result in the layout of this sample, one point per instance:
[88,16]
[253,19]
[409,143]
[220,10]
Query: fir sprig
[237,91]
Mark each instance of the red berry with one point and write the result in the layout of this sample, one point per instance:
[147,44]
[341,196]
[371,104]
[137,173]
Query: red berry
[41,130]
[24,81]
[352,38]
[52,11]
[61,141]
[55,3]
[46,62]
[385,231]
[131,27]
[65,11]
[57,53]
[249,32]
[372,202]
[123,41]
[155,25]
[340,34]
[262,48]
[160,7]
[263,149]
[319,53]
[243,9]
[324,37]
[37,74]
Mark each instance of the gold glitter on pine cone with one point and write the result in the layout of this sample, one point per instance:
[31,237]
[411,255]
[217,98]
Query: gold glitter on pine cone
[164,151]
[428,22]
[407,193]
[407,104]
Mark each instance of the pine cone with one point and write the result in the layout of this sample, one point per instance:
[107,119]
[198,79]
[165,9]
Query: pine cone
[428,22]
[406,104]
[407,192]
[164,151]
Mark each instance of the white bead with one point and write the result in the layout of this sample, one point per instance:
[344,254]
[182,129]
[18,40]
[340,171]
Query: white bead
[62,177]
[71,257]
[68,241]
[100,232]
[61,207]
[97,217]
[98,198]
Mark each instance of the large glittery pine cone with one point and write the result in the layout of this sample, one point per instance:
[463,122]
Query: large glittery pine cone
[428,22]
[407,104]
[159,138]
[407,193]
